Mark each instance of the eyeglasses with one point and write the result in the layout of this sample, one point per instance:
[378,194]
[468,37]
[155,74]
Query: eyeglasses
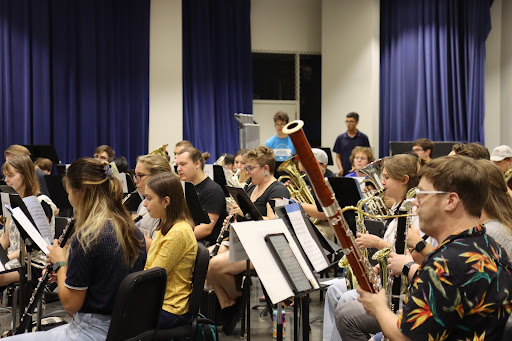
[251,168]
[417,149]
[420,194]
[139,177]
[279,125]
[350,122]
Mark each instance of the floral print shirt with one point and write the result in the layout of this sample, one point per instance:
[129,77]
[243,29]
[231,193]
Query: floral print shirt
[462,291]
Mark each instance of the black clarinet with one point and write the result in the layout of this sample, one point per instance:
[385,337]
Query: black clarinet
[39,290]
[222,232]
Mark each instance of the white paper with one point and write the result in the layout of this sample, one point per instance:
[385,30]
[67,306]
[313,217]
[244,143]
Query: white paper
[5,201]
[122,177]
[236,249]
[282,202]
[22,219]
[40,219]
[208,170]
[310,247]
[252,236]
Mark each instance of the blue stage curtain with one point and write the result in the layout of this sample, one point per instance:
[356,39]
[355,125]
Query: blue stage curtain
[217,72]
[75,74]
[432,70]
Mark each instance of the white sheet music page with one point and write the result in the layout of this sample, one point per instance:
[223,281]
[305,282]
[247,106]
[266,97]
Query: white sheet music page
[22,219]
[307,242]
[36,211]
[208,170]
[122,177]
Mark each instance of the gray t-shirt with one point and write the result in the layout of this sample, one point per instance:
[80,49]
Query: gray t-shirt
[501,234]
[147,224]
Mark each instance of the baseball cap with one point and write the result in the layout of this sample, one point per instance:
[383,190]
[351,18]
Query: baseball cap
[501,152]
[320,155]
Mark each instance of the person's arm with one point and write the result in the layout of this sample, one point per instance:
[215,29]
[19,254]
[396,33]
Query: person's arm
[204,230]
[413,238]
[4,238]
[370,240]
[312,211]
[340,166]
[148,243]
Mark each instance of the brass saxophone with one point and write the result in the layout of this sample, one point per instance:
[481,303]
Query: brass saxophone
[508,175]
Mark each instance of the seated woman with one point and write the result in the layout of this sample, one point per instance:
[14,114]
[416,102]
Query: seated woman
[174,247]
[20,174]
[259,164]
[360,157]
[147,166]
[190,164]
[104,249]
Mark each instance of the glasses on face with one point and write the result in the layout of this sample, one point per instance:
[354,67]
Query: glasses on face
[279,125]
[421,194]
[417,149]
[139,176]
[251,168]
[350,122]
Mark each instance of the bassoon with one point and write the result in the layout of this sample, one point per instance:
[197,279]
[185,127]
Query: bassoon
[366,278]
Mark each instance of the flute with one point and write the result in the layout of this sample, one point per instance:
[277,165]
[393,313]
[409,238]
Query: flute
[361,268]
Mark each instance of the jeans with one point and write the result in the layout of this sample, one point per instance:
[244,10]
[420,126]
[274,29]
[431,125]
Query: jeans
[83,327]
[169,320]
[336,295]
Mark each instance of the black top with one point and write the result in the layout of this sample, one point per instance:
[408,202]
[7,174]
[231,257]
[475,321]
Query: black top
[100,270]
[213,201]
[274,190]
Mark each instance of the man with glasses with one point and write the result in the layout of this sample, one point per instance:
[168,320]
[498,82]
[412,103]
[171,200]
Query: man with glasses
[461,291]
[348,141]
[280,142]
[423,148]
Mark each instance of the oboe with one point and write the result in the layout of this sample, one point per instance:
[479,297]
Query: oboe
[363,272]
[39,290]
[222,232]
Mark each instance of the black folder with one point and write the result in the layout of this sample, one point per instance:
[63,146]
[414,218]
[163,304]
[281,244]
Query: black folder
[194,205]
[244,202]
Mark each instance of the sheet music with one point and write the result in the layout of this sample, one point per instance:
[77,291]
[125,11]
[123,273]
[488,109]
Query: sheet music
[122,177]
[36,211]
[5,201]
[22,219]
[307,242]
[208,170]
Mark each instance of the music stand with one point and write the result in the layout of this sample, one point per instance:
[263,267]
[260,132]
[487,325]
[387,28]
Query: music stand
[348,193]
[194,205]
[46,151]
[220,178]
[244,202]
[59,195]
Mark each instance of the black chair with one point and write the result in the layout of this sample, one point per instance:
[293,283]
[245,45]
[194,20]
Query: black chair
[137,306]
[198,279]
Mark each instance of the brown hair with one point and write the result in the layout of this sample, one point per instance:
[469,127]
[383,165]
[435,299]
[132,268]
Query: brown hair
[44,164]
[281,116]
[425,144]
[16,149]
[169,185]
[242,152]
[263,155]
[195,155]
[462,175]
[101,202]
[154,163]
[184,143]
[400,165]
[473,150]
[107,149]
[499,204]
[365,150]
[23,165]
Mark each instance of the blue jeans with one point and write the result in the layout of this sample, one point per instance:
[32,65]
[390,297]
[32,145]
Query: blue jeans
[83,327]
[169,320]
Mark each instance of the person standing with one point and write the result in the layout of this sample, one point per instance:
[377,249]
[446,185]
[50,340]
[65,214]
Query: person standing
[348,141]
[280,142]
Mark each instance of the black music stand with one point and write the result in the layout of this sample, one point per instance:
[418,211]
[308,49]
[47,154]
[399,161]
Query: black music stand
[244,202]
[194,205]
[40,150]
[59,195]
[220,178]
[348,193]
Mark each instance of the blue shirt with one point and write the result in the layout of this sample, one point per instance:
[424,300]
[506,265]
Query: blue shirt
[344,145]
[283,147]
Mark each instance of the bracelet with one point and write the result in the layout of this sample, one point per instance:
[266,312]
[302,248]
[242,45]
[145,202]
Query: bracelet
[377,245]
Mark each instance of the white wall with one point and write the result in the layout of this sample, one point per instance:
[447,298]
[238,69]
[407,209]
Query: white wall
[165,76]
[350,67]
[506,74]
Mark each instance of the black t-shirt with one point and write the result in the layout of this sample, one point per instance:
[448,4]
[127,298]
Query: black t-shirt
[274,190]
[213,201]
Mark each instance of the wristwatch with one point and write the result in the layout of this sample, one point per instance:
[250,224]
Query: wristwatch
[420,246]
[58,265]
[406,268]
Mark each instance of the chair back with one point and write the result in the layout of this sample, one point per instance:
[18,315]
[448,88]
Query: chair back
[198,279]
[137,306]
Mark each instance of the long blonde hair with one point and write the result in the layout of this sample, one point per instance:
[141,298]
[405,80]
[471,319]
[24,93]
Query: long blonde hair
[101,196]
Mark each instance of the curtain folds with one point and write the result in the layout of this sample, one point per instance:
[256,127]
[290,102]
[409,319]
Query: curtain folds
[75,74]
[432,70]
[217,72]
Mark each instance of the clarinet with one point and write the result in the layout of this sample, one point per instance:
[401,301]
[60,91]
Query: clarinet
[222,232]
[361,267]
[39,290]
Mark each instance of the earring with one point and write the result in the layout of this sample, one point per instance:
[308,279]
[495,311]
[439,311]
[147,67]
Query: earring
[266,173]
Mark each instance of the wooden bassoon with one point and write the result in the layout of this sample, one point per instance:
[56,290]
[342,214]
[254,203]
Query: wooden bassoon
[366,278]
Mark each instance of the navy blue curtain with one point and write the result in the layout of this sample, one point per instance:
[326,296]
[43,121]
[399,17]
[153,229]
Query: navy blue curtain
[432,70]
[75,74]
[217,72]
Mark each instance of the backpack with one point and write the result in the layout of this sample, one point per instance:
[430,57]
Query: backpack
[206,330]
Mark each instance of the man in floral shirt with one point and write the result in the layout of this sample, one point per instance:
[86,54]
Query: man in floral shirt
[463,289]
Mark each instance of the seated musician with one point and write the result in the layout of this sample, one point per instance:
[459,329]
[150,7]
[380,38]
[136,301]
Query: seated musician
[239,166]
[104,153]
[360,157]
[461,291]
[147,166]
[260,165]
[104,249]
[20,174]
[174,246]
[190,164]
[399,175]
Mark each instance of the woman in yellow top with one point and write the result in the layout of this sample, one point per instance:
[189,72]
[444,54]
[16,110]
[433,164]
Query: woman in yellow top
[174,247]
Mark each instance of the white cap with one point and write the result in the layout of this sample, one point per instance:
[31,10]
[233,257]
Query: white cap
[501,152]
[320,155]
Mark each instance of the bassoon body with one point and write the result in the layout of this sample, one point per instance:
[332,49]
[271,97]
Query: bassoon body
[363,272]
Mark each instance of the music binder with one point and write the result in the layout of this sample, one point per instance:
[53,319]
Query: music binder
[347,192]
[194,205]
[244,202]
